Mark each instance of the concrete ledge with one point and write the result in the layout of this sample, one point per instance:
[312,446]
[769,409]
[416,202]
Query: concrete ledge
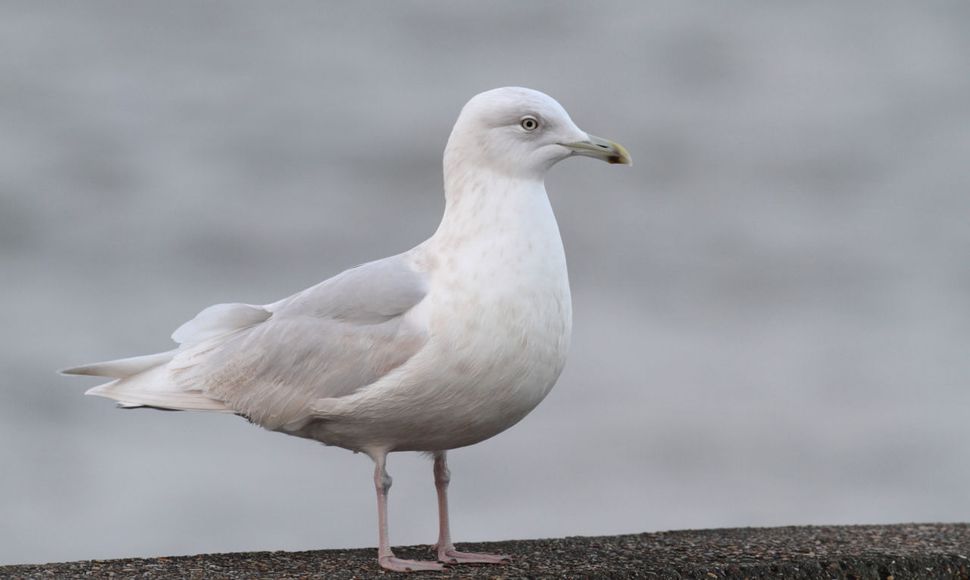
[857,552]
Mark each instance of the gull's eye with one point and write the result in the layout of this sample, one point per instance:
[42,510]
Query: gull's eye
[529,123]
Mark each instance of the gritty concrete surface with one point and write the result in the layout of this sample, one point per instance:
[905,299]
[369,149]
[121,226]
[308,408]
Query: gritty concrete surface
[885,552]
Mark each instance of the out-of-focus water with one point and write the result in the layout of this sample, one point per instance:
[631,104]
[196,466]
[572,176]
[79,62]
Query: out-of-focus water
[772,307]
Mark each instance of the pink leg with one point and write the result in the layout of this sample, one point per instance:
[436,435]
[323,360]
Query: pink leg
[446,550]
[386,558]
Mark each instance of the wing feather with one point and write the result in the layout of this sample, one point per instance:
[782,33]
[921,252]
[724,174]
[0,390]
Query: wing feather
[328,341]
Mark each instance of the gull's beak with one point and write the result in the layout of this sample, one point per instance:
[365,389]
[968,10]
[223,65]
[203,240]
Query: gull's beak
[600,148]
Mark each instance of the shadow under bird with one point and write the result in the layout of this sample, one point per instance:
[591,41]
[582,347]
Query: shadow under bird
[442,346]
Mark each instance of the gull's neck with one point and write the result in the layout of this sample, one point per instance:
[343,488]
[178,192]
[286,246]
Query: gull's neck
[481,203]
[499,240]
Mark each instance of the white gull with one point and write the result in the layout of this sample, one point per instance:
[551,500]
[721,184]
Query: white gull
[440,347]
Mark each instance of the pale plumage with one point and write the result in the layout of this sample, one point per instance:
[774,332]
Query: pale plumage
[440,347]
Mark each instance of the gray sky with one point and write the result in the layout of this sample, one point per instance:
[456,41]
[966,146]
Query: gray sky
[771,306]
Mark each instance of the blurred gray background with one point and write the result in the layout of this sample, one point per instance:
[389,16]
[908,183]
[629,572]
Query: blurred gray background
[772,307]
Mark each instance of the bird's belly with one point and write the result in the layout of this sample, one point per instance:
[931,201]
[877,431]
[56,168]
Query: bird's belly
[494,380]
[482,371]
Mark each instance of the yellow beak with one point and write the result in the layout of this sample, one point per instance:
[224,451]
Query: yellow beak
[600,148]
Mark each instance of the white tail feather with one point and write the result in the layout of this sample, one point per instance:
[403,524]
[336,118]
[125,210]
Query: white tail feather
[122,368]
[155,388]
[146,381]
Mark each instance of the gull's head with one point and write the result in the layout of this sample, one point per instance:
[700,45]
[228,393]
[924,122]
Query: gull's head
[522,133]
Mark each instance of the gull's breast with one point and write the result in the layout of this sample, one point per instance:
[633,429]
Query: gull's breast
[500,319]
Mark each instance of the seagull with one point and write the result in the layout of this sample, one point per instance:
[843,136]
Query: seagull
[437,348]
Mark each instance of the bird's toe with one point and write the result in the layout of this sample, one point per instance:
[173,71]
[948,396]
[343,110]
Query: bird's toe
[396,564]
[452,556]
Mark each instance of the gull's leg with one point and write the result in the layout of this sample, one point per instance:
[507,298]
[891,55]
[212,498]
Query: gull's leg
[446,550]
[386,558]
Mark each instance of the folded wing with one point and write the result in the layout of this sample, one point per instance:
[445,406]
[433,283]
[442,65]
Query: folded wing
[270,363]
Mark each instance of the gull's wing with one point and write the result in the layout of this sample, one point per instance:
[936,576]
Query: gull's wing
[271,363]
